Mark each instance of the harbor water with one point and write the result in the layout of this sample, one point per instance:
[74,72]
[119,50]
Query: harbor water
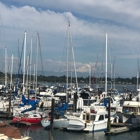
[37,132]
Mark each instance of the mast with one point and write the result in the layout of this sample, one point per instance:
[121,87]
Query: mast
[114,73]
[68,42]
[108,123]
[138,73]
[106,66]
[24,61]
[111,73]
[19,66]
[18,54]
[102,72]
[5,67]
[34,78]
[36,61]
[89,71]
[75,69]
[30,62]
[11,83]
[96,70]
[27,75]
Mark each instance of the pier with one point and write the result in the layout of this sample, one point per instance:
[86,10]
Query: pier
[122,128]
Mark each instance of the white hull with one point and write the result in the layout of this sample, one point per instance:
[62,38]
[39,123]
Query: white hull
[80,125]
[76,125]
[100,125]
[57,123]
[45,122]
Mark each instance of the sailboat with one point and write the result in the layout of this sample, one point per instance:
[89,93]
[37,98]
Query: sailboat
[92,118]
[28,117]
[61,118]
[27,111]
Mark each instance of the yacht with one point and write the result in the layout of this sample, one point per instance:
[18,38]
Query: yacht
[91,119]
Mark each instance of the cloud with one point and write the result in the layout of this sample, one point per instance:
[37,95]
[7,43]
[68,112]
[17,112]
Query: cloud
[97,8]
[90,20]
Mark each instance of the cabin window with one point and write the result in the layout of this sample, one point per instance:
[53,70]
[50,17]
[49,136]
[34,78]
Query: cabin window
[134,109]
[92,117]
[101,117]
[130,109]
[87,117]
[35,115]
[84,116]
[125,109]
[106,115]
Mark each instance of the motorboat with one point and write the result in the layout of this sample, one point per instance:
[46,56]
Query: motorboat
[91,119]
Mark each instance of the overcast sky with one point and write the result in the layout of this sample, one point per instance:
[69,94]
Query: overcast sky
[89,20]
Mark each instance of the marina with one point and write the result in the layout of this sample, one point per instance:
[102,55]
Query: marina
[117,128]
[74,71]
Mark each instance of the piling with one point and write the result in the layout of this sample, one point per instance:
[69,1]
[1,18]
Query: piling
[108,123]
[9,110]
[51,122]
[75,102]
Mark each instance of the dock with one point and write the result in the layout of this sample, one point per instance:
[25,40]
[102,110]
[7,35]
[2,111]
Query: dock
[122,128]
[18,124]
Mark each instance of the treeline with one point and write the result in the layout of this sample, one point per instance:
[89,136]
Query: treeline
[62,79]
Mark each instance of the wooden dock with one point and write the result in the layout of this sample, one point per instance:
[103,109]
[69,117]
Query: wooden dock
[118,124]
[122,128]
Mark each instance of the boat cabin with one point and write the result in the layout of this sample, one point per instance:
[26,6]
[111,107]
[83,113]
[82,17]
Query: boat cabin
[131,107]
[97,114]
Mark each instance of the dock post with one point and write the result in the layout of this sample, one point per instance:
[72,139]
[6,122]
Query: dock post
[9,111]
[130,96]
[52,117]
[108,123]
[75,102]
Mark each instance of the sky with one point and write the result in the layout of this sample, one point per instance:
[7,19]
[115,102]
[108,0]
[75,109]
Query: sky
[90,20]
